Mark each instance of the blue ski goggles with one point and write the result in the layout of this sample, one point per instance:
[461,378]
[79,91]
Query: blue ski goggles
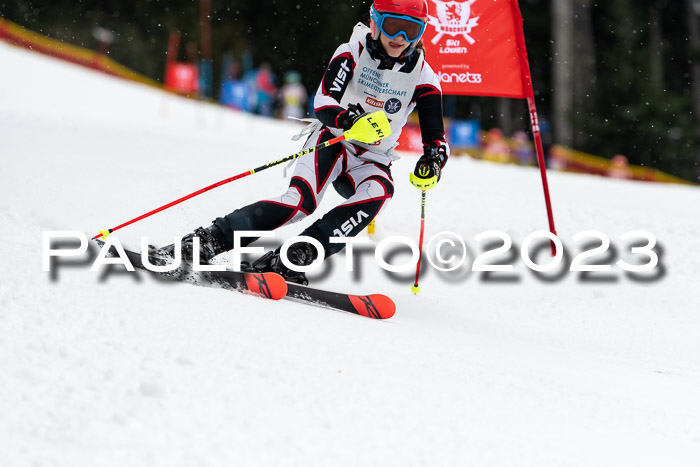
[392,25]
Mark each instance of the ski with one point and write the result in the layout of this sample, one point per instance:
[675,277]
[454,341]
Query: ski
[376,306]
[267,284]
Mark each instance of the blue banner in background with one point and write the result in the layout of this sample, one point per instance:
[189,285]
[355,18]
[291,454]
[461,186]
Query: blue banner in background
[465,134]
[235,94]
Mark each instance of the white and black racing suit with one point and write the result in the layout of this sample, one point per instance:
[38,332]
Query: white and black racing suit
[360,72]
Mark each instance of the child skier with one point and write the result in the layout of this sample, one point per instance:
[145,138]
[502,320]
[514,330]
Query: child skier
[381,67]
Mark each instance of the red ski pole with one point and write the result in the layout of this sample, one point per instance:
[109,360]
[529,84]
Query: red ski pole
[415,289]
[367,129]
[104,233]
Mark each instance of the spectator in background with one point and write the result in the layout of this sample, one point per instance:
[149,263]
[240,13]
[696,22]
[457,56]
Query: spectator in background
[235,92]
[293,96]
[523,151]
[249,80]
[266,90]
[557,158]
[619,168]
[495,146]
[310,108]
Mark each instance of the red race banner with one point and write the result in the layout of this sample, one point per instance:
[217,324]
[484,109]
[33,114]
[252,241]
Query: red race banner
[476,47]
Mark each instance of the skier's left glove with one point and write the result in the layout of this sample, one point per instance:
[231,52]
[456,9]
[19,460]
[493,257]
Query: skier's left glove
[353,114]
[429,167]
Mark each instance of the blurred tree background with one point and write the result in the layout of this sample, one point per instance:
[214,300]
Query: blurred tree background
[610,77]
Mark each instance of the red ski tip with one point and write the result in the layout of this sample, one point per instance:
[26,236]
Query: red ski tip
[374,306]
[267,284]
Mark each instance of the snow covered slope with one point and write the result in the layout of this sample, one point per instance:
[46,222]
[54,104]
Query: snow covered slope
[116,369]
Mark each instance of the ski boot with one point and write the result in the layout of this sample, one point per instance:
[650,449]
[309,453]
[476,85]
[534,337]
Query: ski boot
[211,244]
[300,254]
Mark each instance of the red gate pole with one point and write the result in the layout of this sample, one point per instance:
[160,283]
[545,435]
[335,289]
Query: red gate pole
[532,107]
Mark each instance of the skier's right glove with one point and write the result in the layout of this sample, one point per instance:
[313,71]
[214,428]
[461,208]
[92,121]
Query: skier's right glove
[429,167]
[353,114]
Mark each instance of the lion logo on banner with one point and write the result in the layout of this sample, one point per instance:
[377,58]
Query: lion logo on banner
[453,18]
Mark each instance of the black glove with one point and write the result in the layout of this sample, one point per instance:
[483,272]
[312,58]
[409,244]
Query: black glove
[429,167]
[354,113]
